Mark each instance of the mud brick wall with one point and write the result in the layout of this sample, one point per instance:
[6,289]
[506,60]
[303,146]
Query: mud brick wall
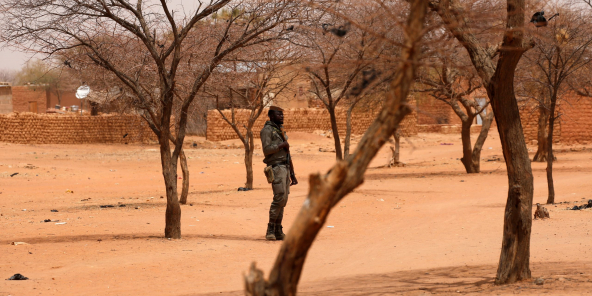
[299,120]
[5,98]
[575,120]
[22,95]
[31,128]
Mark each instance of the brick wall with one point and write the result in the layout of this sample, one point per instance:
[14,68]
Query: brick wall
[300,120]
[31,128]
[575,120]
[5,98]
[22,95]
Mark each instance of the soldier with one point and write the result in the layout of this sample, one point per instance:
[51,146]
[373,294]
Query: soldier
[277,157]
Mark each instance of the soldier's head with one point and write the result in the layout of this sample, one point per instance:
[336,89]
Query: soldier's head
[276,115]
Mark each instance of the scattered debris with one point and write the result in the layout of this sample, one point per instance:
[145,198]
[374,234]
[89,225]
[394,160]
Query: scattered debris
[86,199]
[326,150]
[244,189]
[69,191]
[17,277]
[106,206]
[14,174]
[582,207]
[18,243]
[539,281]
[541,212]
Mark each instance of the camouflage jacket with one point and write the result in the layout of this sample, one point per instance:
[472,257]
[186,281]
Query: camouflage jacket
[270,139]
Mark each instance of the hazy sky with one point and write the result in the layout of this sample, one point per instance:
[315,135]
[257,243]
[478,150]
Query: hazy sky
[14,60]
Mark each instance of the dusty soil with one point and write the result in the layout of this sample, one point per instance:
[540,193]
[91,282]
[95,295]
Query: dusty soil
[427,228]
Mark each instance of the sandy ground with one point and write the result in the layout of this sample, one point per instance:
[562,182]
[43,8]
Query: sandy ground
[427,228]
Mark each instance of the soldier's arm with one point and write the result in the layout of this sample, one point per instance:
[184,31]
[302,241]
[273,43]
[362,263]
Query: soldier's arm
[268,147]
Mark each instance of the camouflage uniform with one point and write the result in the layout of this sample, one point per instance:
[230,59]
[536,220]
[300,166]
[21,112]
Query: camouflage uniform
[277,158]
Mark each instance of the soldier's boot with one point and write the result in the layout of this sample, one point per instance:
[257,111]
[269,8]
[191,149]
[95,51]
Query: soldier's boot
[279,234]
[270,235]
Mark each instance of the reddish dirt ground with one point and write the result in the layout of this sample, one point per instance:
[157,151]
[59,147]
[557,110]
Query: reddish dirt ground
[427,228]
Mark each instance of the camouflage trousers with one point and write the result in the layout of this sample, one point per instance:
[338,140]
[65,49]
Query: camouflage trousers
[281,189]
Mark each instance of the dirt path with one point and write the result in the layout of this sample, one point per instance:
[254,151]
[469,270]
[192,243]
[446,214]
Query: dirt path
[424,228]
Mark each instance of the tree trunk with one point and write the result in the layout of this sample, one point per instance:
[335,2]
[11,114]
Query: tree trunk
[249,147]
[514,263]
[327,190]
[485,126]
[467,159]
[338,153]
[173,210]
[185,169]
[541,153]
[550,156]
[348,129]
[397,137]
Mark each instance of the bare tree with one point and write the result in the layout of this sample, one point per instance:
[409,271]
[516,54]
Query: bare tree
[110,33]
[256,78]
[453,80]
[338,54]
[7,76]
[562,52]
[327,190]
[496,66]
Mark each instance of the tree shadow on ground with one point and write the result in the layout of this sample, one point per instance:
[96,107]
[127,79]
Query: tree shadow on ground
[120,237]
[559,278]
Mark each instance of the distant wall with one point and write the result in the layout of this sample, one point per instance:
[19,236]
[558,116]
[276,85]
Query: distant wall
[31,128]
[299,120]
[5,98]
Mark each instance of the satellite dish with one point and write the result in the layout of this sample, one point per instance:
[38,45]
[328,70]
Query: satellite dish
[82,92]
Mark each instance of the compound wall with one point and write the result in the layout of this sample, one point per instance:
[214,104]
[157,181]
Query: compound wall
[298,120]
[31,128]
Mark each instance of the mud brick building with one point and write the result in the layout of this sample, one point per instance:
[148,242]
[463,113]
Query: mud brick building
[5,98]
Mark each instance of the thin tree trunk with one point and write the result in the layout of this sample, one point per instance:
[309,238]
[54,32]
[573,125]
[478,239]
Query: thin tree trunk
[185,170]
[173,210]
[338,153]
[467,159]
[327,190]
[168,160]
[249,147]
[397,137]
[348,130]
[550,156]
[541,153]
[485,126]
[514,263]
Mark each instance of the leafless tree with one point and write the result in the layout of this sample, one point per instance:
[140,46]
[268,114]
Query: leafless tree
[338,54]
[111,33]
[496,66]
[452,80]
[562,54]
[327,190]
[7,76]
[257,77]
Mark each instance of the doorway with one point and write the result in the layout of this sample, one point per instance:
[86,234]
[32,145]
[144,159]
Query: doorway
[33,107]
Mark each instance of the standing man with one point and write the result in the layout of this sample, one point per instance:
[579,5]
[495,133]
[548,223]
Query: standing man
[277,156]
